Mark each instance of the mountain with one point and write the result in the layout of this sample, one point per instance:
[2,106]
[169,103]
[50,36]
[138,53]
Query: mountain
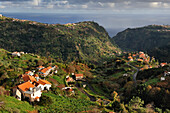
[84,40]
[154,39]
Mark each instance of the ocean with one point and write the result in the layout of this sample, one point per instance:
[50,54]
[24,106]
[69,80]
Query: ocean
[113,23]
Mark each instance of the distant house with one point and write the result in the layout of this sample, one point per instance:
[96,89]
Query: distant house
[79,76]
[29,73]
[0,15]
[44,72]
[130,58]
[162,78]
[68,89]
[69,79]
[46,85]
[16,54]
[139,60]
[28,78]
[163,64]
[40,67]
[29,91]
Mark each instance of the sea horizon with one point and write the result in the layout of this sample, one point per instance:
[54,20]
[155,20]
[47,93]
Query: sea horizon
[113,23]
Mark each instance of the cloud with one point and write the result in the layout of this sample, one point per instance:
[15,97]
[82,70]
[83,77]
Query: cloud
[93,5]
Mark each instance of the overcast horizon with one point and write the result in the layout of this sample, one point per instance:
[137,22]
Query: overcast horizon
[114,15]
[87,6]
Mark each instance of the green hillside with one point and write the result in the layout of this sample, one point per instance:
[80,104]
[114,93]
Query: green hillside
[154,39]
[83,40]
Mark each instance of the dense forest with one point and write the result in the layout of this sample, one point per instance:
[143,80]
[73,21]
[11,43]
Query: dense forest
[153,39]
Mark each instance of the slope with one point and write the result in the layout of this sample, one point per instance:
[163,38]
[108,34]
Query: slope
[152,38]
[83,40]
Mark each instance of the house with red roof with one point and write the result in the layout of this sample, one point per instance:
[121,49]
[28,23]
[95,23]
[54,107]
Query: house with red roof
[29,73]
[16,54]
[45,72]
[79,76]
[44,84]
[30,91]
[28,78]
[69,79]
[163,64]
[40,67]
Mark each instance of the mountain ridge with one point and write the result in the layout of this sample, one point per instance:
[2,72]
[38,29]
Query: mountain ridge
[149,38]
[82,40]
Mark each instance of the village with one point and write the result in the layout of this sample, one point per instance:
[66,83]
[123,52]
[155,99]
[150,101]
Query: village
[32,85]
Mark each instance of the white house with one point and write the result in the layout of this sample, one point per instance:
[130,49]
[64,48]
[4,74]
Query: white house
[162,78]
[29,91]
[0,15]
[29,73]
[16,54]
[40,67]
[44,84]
[44,72]
[79,76]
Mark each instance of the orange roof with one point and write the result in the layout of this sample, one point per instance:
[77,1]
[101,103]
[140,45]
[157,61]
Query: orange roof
[140,60]
[36,75]
[79,75]
[40,67]
[25,86]
[134,54]
[69,79]
[28,77]
[27,72]
[43,82]
[163,63]
[44,70]
[130,57]
[49,67]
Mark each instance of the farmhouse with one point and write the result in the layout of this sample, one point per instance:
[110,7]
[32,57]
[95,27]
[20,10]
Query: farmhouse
[79,76]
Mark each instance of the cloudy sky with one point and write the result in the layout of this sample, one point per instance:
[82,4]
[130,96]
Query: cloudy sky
[86,6]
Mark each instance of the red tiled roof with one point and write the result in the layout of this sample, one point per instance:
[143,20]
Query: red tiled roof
[69,79]
[49,67]
[27,72]
[40,67]
[25,86]
[37,98]
[43,82]
[44,70]
[79,75]
[28,77]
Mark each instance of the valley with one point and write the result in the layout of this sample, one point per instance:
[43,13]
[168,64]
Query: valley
[78,68]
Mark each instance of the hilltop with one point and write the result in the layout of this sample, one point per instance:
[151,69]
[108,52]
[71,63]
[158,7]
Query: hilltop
[153,39]
[84,40]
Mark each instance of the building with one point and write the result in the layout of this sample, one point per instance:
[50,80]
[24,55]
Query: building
[29,73]
[79,76]
[46,71]
[28,78]
[16,54]
[40,67]
[0,15]
[45,85]
[163,64]
[29,91]
[69,79]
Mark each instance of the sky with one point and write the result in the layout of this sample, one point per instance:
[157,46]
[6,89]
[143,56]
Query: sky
[87,6]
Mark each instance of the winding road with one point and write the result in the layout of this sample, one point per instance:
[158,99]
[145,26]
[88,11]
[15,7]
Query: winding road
[135,74]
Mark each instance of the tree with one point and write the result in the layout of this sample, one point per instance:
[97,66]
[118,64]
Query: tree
[136,103]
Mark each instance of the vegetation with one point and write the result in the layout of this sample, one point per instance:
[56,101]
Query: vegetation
[86,41]
[153,39]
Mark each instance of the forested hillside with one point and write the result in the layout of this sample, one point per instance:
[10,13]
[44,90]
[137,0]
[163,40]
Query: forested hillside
[154,39]
[84,40]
